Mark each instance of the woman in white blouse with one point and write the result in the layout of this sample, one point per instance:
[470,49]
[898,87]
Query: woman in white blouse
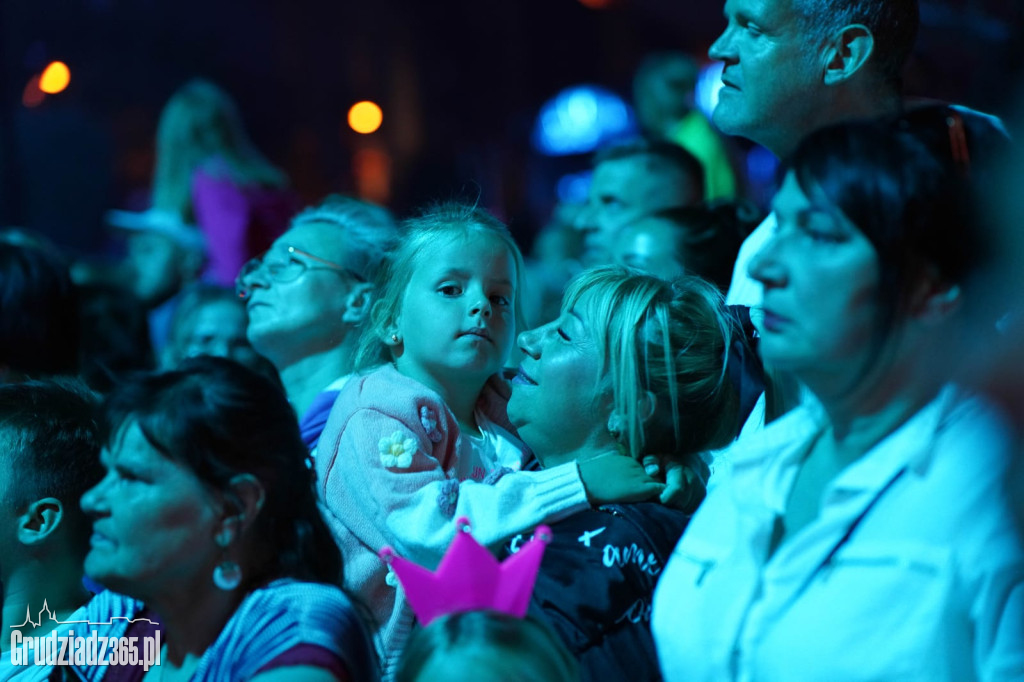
[865,535]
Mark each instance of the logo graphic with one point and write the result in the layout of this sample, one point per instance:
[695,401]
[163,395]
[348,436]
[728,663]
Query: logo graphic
[63,647]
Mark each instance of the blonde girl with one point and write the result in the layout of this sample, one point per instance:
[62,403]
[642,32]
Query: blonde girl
[424,437]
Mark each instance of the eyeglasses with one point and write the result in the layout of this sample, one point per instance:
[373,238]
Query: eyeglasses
[286,270]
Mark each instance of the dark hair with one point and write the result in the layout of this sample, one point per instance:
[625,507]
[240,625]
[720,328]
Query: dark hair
[39,320]
[906,188]
[49,431]
[709,236]
[893,24]
[525,648]
[114,336]
[220,419]
[660,154]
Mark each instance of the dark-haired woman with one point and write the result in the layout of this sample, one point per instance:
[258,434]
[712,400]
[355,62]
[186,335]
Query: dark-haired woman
[865,535]
[207,520]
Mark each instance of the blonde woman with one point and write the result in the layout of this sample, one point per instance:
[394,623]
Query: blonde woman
[634,366]
[209,172]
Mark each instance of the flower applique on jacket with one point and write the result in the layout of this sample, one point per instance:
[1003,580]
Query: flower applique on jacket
[396,450]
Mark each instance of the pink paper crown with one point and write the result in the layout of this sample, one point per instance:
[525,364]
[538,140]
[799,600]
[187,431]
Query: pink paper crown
[469,578]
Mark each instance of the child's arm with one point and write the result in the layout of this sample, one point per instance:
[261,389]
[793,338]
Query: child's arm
[382,480]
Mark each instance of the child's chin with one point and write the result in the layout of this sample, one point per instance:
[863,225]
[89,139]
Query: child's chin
[484,365]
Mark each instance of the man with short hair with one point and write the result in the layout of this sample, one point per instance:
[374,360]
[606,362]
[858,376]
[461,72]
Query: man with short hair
[794,66]
[49,443]
[630,181]
[308,296]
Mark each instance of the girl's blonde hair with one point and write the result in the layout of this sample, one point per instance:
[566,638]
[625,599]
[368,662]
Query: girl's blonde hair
[522,648]
[667,338]
[199,123]
[444,221]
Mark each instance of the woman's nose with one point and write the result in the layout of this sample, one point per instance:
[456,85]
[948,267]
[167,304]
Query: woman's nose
[766,267]
[527,343]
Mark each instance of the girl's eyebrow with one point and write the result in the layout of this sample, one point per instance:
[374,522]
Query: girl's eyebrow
[466,274]
[453,272]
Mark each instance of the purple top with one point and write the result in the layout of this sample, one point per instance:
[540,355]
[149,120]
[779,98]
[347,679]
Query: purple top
[240,222]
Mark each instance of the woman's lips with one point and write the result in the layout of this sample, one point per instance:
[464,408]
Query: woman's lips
[523,379]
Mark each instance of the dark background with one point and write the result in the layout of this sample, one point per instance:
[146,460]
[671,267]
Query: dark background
[460,82]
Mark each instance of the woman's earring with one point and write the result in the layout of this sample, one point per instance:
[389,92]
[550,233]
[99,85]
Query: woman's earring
[615,426]
[227,575]
[394,338]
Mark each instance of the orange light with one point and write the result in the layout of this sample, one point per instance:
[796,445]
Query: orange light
[55,78]
[372,169]
[365,117]
[596,4]
[32,96]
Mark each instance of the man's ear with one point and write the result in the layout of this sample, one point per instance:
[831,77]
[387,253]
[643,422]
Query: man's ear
[245,499]
[40,519]
[847,53]
[358,304]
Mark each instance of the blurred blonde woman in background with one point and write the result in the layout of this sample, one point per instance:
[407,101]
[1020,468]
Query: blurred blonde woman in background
[210,173]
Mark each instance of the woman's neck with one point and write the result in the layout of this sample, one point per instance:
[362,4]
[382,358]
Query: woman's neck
[305,378]
[860,418]
[599,442]
[192,622]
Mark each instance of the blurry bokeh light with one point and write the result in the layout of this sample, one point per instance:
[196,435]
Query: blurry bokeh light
[32,96]
[365,117]
[580,119]
[572,188]
[55,78]
[596,4]
[372,169]
[709,83]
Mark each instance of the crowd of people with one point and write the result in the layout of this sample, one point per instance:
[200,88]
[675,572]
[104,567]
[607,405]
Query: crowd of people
[759,447]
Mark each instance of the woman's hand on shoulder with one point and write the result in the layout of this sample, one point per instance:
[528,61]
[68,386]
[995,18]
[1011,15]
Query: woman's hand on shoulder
[613,477]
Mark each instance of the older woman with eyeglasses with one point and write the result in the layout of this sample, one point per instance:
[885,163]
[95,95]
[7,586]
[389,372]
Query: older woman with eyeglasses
[307,296]
[865,535]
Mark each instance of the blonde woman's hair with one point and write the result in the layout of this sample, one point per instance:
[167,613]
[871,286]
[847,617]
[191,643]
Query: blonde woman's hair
[199,123]
[444,221]
[667,338]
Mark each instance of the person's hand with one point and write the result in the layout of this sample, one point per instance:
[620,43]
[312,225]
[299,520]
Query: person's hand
[614,478]
[685,486]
